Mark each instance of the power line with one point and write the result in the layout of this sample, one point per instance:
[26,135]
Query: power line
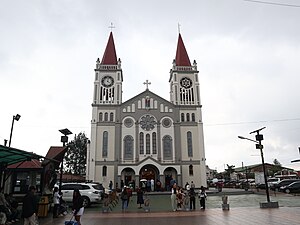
[273,3]
[261,121]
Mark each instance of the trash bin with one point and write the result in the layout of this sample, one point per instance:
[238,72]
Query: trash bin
[43,206]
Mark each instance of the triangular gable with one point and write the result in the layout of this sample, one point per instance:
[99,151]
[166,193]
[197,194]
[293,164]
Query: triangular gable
[149,160]
[168,106]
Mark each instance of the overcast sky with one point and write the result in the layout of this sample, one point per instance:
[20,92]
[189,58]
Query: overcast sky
[248,56]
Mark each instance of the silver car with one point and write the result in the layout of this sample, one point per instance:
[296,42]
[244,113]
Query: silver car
[91,192]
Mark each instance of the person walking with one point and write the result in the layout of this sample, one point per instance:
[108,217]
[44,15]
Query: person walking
[173,197]
[124,198]
[192,195]
[192,185]
[110,185]
[56,202]
[30,207]
[202,196]
[140,197]
[77,207]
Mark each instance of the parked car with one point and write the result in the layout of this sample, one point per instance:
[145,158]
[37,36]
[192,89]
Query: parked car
[291,188]
[91,192]
[286,182]
[273,181]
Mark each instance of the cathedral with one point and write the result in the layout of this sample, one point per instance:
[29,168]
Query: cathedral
[146,137]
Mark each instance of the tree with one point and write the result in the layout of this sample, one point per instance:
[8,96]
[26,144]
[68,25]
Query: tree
[75,157]
[276,162]
[229,170]
[276,167]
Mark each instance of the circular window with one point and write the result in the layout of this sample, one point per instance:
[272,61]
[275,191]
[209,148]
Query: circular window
[166,122]
[147,122]
[128,122]
[186,82]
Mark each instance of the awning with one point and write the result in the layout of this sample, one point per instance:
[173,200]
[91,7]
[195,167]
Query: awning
[9,156]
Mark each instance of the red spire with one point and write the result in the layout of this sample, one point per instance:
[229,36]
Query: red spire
[110,56]
[182,58]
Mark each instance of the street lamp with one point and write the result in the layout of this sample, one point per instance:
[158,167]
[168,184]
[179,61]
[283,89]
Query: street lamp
[296,160]
[258,139]
[15,117]
[64,140]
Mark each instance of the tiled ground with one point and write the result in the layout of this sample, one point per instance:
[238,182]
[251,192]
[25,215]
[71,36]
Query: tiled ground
[244,209]
[243,216]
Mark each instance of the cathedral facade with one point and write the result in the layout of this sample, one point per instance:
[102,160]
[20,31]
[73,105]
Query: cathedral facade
[146,137]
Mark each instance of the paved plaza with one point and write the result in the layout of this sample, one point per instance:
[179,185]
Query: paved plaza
[244,209]
[243,216]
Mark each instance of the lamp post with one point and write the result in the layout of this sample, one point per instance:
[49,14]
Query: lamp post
[15,117]
[258,138]
[296,160]
[64,140]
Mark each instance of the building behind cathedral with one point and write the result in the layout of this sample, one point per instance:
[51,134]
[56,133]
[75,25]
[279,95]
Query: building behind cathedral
[146,137]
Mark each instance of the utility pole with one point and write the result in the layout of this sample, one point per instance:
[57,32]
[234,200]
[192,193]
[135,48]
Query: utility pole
[259,138]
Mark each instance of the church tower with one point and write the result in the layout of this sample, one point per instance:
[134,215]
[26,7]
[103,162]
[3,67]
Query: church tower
[107,98]
[108,76]
[184,84]
[185,94]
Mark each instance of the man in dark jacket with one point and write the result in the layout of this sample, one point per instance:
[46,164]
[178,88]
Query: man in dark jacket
[29,208]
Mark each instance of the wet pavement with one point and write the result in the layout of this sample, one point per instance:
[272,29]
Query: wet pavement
[244,209]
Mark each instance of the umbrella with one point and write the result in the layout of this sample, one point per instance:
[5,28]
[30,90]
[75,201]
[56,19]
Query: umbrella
[142,180]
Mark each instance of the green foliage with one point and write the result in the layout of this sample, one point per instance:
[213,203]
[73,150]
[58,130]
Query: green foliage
[75,157]
[276,162]
[228,171]
[275,168]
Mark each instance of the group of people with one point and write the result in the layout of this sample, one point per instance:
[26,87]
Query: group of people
[60,208]
[30,206]
[140,200]
[186,199]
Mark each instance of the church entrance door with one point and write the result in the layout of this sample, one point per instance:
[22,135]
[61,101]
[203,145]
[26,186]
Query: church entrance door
[148,176]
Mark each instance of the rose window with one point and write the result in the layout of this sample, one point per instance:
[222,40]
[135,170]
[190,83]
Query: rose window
[147,122]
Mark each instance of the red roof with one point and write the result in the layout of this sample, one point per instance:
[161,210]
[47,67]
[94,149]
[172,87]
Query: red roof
[110,56]
[33,164]
[56,153]
[182,58]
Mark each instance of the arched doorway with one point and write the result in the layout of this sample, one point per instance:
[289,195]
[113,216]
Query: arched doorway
[170,175]
[127,178]
[149,175]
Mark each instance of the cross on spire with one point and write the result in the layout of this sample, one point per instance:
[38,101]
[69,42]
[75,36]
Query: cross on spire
[179,28]
[111,26]
[147,83]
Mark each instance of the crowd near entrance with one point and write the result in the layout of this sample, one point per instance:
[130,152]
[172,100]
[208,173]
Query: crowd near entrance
[149,178]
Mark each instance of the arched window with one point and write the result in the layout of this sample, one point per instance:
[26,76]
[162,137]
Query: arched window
[189,144]
[167,147]
[188,117]
[100,116]
[104,171]
[141,143]
[104,144]
[128,147]
[111,117]
[193,117]
[154,151]
[182,117]
[147,143]
[106,116]
[191,170]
